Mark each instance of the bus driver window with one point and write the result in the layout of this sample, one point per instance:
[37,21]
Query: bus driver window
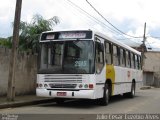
[99,57]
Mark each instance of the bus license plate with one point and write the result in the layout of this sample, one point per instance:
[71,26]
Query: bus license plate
[61,93]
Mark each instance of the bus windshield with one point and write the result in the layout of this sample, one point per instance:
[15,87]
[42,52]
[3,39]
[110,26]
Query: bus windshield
[70,57]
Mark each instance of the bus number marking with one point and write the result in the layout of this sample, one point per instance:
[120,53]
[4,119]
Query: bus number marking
[80,63]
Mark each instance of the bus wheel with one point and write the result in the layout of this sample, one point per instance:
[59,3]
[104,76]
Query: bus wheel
[59,100]
[132,93]
[105,99]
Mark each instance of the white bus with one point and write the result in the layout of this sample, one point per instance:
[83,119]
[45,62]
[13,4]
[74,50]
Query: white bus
[85,64]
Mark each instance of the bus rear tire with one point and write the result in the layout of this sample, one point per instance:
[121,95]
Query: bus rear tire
[133,88]
[132,93]
[105,99]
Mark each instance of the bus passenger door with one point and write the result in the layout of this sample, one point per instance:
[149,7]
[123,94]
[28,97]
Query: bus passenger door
[100,67]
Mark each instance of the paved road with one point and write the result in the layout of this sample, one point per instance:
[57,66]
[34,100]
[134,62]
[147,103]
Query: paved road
[145,101]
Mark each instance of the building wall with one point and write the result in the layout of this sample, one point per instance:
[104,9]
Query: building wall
[26,69]
[148,78]
[152,66]
[156,81]
[152,61]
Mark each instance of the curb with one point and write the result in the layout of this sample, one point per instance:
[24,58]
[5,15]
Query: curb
[25,103]
[145,87]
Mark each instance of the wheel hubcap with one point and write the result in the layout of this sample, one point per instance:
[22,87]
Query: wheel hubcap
[107,95]
[133,91]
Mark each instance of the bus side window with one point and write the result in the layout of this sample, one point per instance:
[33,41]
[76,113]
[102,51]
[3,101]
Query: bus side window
[99,57]
[132,60]
[108,53]
[118,55]
[122,57]
[115,55]
[128,59]
[140,63]
[136,61]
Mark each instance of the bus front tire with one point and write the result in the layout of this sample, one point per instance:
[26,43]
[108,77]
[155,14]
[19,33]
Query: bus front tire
[105,99]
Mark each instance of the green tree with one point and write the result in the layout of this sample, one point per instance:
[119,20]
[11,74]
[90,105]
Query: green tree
[6,42]
[30,32]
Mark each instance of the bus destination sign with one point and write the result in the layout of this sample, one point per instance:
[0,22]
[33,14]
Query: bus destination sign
[72,35]
[66,35]
[50,36]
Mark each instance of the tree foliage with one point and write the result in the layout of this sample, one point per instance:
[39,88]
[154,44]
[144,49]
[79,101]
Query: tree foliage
[30,32]
[6,42]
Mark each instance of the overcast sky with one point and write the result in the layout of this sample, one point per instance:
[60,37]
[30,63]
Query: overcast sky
[127,15]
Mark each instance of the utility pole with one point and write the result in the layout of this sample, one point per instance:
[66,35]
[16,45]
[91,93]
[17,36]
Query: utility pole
[143,45]
[15,40]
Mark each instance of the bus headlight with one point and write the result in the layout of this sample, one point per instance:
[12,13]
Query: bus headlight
[45,85]
[39,85]
[80,86]
[86,86]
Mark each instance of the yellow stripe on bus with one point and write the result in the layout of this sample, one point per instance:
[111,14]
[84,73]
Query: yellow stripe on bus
[110,74]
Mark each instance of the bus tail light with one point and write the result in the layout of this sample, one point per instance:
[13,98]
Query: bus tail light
[91,86]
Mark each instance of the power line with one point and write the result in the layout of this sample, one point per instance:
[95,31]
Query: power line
[82,11]
[78,15]
[98,21]
[156,37]
[93,18]
[109,22]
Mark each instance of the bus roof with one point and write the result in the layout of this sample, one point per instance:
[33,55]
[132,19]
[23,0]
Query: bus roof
[116,42]
[104,37]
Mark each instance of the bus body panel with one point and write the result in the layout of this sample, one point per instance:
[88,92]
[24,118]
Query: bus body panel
[50,84]
[77,85]
[122,78]
[83,94]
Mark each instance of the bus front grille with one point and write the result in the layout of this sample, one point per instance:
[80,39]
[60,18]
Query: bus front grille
[63,85]
[63,78]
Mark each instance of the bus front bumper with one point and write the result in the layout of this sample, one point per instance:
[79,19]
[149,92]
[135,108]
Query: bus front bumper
[83,94]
